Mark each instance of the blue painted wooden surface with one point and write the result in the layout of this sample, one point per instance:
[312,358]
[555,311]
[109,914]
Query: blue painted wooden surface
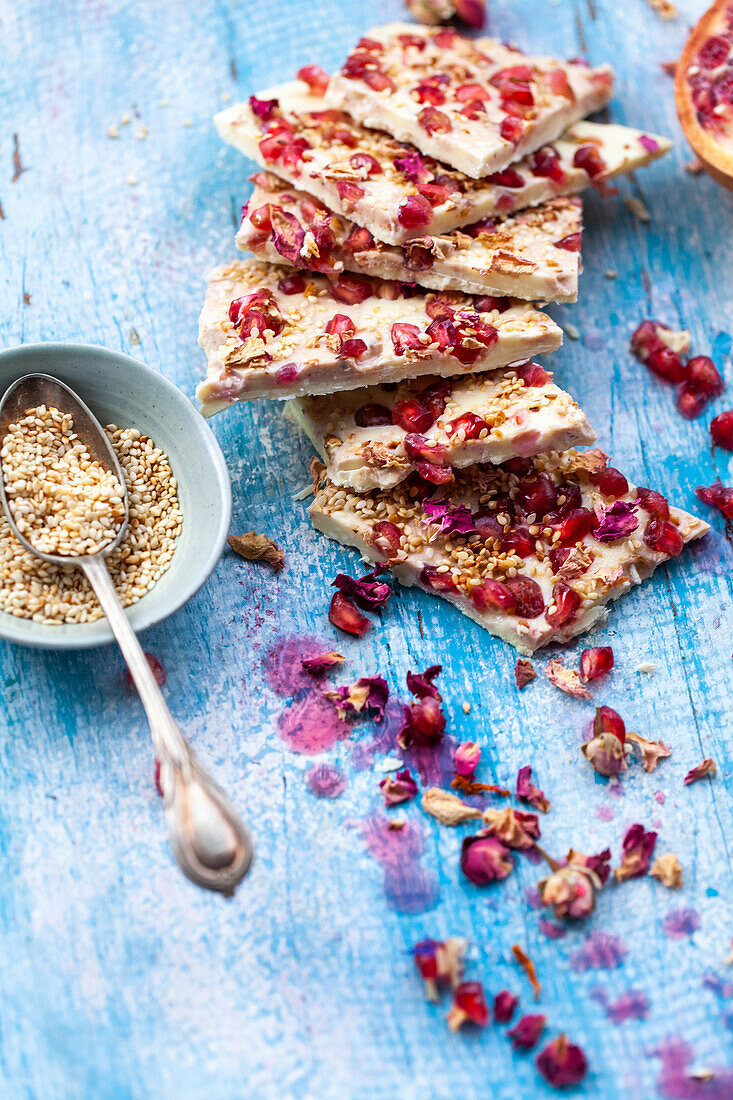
[118,978]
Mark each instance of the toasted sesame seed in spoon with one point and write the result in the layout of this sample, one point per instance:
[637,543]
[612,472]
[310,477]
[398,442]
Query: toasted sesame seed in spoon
[65,499]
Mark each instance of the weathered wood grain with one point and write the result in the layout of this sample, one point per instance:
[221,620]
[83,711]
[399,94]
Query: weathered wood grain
[118,978]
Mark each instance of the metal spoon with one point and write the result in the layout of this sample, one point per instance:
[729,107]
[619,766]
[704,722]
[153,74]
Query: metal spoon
[209,841]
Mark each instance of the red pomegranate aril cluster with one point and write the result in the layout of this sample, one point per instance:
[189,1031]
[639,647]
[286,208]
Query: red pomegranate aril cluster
[566,603]
[590,160]
[653,502]
[315,77]
[650,349]
[595,662]
[663,537]
[415,212]
[372,416]
[702,383]
[412,416]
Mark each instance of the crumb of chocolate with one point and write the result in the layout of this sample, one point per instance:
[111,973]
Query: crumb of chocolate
[256,547]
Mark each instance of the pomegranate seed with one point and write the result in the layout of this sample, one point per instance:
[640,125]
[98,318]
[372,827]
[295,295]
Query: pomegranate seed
[466,92]
[411,415]
[704,377]
[352,349]
[387,537]
[577,524]
[532,374]
[571,243]
[340,325]
[349,193]
[315,77]
[567,602]
[663,536]
[286,374]
[365,160]
[291,284]
[491,593]
[528,597]
[350,290]
[569,497]
[405,337]
[612,482]
[608,720]
[429,92]
[470,1000]
[414,212]
[434,121]
[443,333]
[546,163]
[718,495]
[536,495]
[488,526]
[346,137]
[378,81]
[440,306]
[415,40]
[446,38]
[346,616]
[372,416]
[469,423]
[721,429]
[650,347]
[473,109]
[293,154]
[714,52]
[516,92]
[689,402]
[518,541]
[260,218]
[509,177]
[435,193]
[487,303]
[595,662]
[435,397]
[359,240]
[419,449]
[558,83]
[511,129]
[438,582]
[653,502]
[262,108]
[370,44]
[667,364]
[272,147]
[436,475]
[590,160]
[514,72]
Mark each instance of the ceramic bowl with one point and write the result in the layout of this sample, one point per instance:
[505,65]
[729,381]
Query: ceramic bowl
[122,391]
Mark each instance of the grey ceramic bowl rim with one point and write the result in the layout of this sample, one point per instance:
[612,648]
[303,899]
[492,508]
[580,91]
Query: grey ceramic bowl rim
[180,405]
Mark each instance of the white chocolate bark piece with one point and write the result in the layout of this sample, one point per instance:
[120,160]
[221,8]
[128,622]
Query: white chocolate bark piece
[408,195]
[563,585]
[475,104]
[274,332]
[375,438]
[533,255]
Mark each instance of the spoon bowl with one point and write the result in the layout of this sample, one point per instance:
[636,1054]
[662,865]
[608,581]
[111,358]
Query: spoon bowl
[28,393]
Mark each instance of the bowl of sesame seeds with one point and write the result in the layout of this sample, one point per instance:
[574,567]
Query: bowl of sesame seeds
[178,490]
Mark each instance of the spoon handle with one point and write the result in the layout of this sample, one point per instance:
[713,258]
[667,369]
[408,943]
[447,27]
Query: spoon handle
[209,841]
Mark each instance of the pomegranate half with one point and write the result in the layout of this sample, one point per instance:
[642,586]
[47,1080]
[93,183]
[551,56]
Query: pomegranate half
[703,90]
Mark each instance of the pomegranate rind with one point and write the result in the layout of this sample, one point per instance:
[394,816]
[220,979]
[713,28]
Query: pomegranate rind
[715,160]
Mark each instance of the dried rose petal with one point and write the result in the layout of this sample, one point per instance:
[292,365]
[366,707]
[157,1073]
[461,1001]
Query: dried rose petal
[668,870]
[618,521]
[595,662]
[367,592]
[439,961]
[605,749]
[524,673]
[566,679]
[262,108]
[367,693]
[412,165]
[466,758]
[527,1031]
[485,859]
[287,234]
[322,663]
[422,685]
[469,1006]
[527,792]
[505,1004]
[447,808]
[343,614]
[705,767]
[562,1063]
[515,828]
[638,846]
[453,520]
[651,751]
[398,788]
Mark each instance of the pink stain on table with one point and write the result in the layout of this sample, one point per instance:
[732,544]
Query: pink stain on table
[679,923]
[408,886]
[605,812]
[283,664]
[601,951]
[675,1081]
[310,724]
[325,781]
[631,1005]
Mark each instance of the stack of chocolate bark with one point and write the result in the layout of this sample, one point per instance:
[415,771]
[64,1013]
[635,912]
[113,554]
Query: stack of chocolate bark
[410,210]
